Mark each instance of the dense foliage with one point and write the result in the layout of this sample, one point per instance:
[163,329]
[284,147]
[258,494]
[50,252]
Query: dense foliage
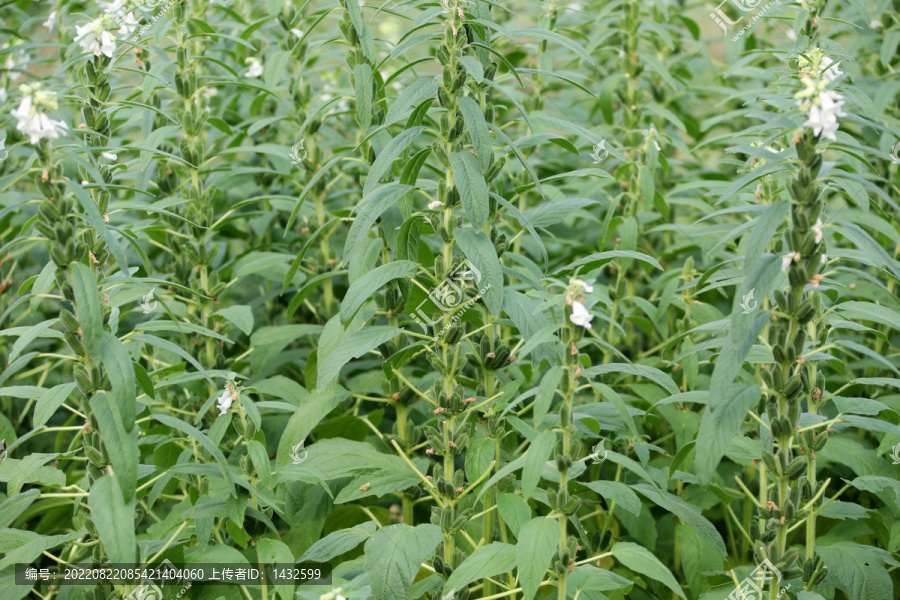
[469,299]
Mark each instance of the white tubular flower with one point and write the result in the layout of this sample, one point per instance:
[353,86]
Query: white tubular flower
[224,402]
[108,155]
[817,228]
[13,59]
[50,23]
[823,115]
[786,261]
[435,204]
[256,68]
[580,315]
[94,37]
[122,15]
[297,33]
[584,286]
[33,121]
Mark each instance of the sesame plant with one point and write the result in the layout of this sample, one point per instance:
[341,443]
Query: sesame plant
[450,299]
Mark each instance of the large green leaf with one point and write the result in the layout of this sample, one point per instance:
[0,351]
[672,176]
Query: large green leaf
[858,570]
[356,345]
[477,247]
[469,180]
[365,287]
[721,422]
[535,459]
[487,561]
[339,542]
[87,305]
[639,559]
[688,513]
[394,555]
[537,541]
[114,519]
[120,441]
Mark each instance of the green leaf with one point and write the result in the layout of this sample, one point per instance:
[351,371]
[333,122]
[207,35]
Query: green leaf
[337,543]
[87,305]
[365,287]
[616,492]
[49,401]
[859,571]
[477,128]
[120,370]
[487,561]
[309,414]
[413,94]
[114,519]
[537,542]
[14,506]
[720,423]
[272,551]
[362,86]
[697,557]
[477,247]
[654,375]
[370,208]
[30,546]
[356,345]
[239,315]
[639,559]
[119,440]
[393,556]
[592,261]
[469,180]
[386,158]
[203,440]
[535,460]
[514,510]
[688,513]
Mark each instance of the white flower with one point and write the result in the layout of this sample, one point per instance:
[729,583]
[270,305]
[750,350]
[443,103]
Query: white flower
[108,155]
[876,24]
[791,35]
[50,23]
[830,69]
[13,59]
[256,68]
[786,261]
[95,39]
[224,401]
[580,315]
[435,204]
[824,113]
[818,229]
[124,17]
[824,259]
[297,33]
[578,282]
[655,143]
[32,120]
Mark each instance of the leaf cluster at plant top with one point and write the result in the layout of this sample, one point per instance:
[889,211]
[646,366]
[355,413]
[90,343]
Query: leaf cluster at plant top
[469,299]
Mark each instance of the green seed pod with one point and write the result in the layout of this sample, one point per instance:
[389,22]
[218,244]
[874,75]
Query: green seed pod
[459,479]
[769,460]
[562,497]
[572,506]
[820,441]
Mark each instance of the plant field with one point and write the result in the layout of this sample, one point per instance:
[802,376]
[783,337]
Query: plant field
[450,300]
